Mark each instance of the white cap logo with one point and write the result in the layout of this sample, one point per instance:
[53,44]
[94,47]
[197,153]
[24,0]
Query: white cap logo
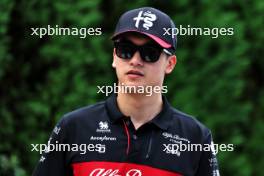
[147,17]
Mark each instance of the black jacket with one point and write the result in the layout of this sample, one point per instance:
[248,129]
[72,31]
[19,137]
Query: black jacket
[99,140]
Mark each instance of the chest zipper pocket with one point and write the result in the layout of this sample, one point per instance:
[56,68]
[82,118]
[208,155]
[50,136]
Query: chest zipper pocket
[149,145]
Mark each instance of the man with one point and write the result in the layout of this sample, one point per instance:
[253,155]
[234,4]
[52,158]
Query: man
[132,133]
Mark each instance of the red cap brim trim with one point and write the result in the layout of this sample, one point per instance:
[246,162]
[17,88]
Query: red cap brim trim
[161,42]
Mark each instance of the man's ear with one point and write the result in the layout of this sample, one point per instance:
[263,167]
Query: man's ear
[114,59]
[172,61]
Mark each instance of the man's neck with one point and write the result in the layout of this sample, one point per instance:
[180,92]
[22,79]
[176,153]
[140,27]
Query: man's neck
[140,108]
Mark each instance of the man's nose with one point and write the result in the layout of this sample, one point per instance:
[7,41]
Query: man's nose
[136,60]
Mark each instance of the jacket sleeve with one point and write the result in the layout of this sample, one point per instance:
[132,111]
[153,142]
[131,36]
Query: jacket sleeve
[53,162]
[208,165]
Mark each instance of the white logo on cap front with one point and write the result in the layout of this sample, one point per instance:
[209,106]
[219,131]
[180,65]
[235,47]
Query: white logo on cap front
[147,17]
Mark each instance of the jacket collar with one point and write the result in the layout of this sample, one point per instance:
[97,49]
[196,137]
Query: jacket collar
[162,120]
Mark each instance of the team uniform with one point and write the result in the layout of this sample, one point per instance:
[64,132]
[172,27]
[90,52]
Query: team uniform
[99,140]
[112,146]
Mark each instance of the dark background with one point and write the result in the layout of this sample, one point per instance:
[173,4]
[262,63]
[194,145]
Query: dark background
[219,81]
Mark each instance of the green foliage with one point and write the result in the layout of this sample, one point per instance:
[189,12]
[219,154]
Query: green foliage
[220,81]
[11,166]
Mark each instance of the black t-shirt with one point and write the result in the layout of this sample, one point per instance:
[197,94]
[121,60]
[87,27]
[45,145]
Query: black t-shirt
[99,140]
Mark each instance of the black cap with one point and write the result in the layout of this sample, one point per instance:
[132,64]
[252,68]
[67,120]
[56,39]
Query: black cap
[148,21]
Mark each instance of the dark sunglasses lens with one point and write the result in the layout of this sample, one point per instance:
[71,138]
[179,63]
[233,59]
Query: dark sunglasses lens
[150,54]
[124,51]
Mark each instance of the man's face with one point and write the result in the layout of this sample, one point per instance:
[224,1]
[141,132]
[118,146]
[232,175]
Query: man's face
[136,72]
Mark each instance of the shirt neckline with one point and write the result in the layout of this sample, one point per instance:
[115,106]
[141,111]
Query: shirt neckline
[161,120]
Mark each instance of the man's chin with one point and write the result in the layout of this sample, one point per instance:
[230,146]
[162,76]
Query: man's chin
[133,84]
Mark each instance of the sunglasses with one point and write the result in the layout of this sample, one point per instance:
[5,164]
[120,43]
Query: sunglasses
[149,52]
